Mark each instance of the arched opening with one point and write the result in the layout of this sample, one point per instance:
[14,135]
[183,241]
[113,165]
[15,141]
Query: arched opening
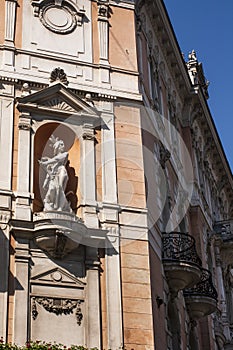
[42,148]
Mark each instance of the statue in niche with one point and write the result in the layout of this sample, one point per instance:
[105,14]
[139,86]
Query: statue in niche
[56,177]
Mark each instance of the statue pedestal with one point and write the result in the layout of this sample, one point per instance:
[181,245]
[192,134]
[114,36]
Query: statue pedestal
[58,233]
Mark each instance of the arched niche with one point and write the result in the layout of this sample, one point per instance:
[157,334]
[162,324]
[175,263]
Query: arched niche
[42,148]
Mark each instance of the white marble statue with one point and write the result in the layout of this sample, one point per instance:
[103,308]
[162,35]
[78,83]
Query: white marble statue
[192,56]
[56,177]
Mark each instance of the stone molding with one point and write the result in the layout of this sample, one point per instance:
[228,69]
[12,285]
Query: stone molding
[57,98]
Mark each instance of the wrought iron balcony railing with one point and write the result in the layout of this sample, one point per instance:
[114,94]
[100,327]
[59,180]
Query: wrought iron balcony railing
[203,288]
[179,247]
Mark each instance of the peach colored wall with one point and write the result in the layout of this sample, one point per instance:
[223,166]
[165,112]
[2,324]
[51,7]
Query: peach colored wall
[159,314]
[19,24]
[95,36]
[136,296]
[122,41]
[2,21]
[73,173]
[130,174]
[15,150]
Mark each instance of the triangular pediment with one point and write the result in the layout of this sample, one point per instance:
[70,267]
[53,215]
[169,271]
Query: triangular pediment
[57,276]
[58,99]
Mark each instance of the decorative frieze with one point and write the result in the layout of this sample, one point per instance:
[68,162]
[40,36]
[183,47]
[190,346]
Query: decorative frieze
[58,306]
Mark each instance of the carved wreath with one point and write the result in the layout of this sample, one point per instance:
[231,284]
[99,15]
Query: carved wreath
[59,16]
[58,306]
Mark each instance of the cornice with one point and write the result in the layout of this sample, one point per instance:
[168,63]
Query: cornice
[168,44]
[130,4]
[206,119]
[96,92]
[71,60]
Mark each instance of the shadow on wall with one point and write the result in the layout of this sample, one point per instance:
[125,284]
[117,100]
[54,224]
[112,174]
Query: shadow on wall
[9,283]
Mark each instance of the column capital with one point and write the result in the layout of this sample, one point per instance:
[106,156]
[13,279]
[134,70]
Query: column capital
[88,132]
[4,219]
[24,121]
[103,10]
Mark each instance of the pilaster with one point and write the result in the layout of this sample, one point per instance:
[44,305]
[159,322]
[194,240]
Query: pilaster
[4,263]
[23,195]
[221,289]
[113,289]
[109,218]
[6,141]
[93,299]
[22,314]
[10,18]
[103,27]
[108,151]
[88,176]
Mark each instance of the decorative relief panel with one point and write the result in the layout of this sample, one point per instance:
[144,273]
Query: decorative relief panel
[59,16]
[58,306]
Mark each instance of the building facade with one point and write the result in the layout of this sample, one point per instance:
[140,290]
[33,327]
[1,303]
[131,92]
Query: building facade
[116,198]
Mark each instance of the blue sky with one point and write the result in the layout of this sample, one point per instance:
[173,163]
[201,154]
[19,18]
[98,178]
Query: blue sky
[207,27]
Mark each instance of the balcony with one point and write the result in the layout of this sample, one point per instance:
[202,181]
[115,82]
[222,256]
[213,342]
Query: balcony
[180,260]
[201,299]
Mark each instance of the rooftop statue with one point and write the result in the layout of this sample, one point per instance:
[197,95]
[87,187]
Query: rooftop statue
[192,56]
[56,177]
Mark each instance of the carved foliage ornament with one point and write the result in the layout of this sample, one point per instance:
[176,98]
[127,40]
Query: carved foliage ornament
[59,16]
[58,306]
[58,74]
